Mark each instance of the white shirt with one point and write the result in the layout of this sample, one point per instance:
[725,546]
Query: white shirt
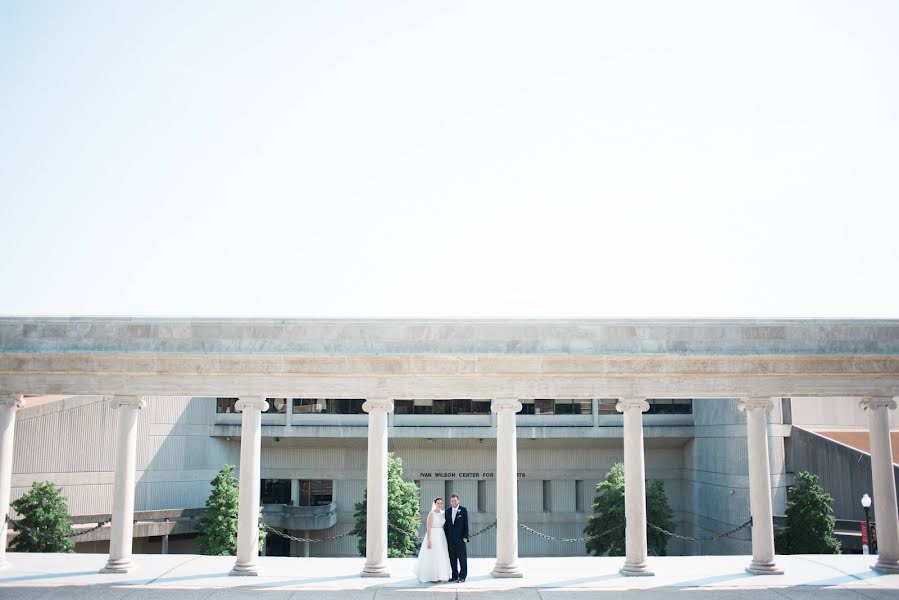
[455,510]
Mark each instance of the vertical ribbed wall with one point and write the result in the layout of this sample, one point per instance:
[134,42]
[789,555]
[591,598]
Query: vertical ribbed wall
[72,443]
[716,469]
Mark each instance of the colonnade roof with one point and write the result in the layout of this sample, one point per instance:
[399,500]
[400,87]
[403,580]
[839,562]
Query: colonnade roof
[449,358]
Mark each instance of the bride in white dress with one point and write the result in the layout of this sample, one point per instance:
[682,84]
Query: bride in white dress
[433,558]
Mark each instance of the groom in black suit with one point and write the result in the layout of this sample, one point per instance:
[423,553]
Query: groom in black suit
[456,529]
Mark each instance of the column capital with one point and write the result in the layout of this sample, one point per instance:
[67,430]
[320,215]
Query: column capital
[754,402]
[12,401]
[887,402]
[378,404]
[632,403]
[251,403]
[137,402]
[498,405]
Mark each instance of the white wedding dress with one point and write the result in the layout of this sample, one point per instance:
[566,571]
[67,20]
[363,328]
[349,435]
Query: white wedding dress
[433,563]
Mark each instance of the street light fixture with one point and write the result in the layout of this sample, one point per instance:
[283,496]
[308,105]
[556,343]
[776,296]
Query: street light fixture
[866,504]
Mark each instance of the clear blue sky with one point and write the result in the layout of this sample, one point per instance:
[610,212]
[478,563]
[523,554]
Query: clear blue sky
[450,158]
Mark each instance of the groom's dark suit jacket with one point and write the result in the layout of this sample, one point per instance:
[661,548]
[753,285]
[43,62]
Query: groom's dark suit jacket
[455,532]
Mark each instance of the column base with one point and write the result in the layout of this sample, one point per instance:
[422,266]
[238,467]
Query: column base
[886,566]
[381,570]
[119,565]
[507,571]
[636,570]
[764,568]
[248,570]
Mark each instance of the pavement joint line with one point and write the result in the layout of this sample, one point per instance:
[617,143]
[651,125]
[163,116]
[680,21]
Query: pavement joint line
[779,593]
[180,564]
[815,562]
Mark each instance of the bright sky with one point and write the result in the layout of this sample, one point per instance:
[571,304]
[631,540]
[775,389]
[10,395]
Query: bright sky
[556,159]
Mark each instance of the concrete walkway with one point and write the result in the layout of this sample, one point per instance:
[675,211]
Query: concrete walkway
[186,577]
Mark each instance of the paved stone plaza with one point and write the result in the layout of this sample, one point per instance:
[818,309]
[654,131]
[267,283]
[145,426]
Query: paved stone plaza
[190,576]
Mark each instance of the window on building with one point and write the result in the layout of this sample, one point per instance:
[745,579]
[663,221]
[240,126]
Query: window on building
[276,405]
[480,407]
[454,406]
[547,495]
[556,407]
[225,405]
[316,492]
[662,406]
[328,406]
[544,407]
[579,495]
[574,407]
[422,407]
[606,406]
[482,495]
[309,406]
[447,490]
[402,407]
[443,407]
[345,407]
[275,491]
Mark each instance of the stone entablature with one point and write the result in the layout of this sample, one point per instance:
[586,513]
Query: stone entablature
[449,358]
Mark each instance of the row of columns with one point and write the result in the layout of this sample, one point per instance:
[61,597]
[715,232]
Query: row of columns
[763,560]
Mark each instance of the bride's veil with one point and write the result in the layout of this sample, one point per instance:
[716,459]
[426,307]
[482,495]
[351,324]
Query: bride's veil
[434,506]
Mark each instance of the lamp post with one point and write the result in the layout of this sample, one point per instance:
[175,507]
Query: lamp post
[866,539]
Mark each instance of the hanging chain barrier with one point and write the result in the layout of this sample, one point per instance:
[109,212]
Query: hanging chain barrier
[480,531]
[269,529]
[656,527]
[417,537]
[710,538]
[21,527]
[414,536]
[546,536]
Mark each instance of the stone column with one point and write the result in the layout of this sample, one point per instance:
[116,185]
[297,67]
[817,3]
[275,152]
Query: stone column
[249,486]
[295,492]
[594,408]
[376,516]
[288,422]
[760,487]
[884,492]
[8,407]
[122,529]
[506,488]
[634,487]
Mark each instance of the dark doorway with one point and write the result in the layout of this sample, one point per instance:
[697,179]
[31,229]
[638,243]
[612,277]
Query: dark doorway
[275,545]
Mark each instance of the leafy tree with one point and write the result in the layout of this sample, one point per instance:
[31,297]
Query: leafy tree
[403,515]
[218,526]
[606,526]
[44,516]
[810,520]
